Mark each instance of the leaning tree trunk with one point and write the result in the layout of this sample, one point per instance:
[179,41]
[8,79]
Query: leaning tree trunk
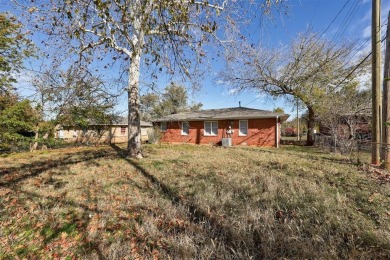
[34,145]
[134,137]
[310,127]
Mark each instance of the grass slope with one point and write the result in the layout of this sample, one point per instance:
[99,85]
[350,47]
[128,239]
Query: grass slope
[183,202]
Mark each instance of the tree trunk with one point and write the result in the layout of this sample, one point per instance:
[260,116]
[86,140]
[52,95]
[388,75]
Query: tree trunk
[134,133]
[34,145]
[351,129]
[310,127]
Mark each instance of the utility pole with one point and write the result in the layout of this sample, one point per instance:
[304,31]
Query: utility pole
[376,90]
[385,155]
[298,137]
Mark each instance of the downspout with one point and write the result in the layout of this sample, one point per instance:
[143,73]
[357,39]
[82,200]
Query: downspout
[277,132]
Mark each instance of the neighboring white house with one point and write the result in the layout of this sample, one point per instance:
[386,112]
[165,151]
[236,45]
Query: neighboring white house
[116,132]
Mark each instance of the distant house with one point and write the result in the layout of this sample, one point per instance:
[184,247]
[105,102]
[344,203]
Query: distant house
[245,126]
[289,131]
[116,132]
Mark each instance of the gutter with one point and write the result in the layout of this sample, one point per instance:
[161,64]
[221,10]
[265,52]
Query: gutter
[217,118]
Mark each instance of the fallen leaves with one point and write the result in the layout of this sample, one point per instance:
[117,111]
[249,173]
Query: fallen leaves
[380,175]
[64,235]
[4,191]
[105,204]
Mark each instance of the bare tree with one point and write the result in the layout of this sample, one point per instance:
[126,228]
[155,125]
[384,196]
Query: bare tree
[60,92]
[309,69]
[345,112]
[71,97]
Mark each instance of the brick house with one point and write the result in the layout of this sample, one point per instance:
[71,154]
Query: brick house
[249,127]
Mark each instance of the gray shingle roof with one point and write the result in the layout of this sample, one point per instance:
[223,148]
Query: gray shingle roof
[221,114]
[121,120]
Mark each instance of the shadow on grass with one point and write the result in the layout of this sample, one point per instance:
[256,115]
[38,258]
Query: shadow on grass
[300,153]
[213,226]
[11,176]
[80,224]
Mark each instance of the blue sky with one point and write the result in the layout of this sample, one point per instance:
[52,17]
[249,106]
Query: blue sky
[337,20]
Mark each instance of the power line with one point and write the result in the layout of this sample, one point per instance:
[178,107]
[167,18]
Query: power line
[349,74]
[252,101]
[358,49]
[357,66]
[341,30]
[347,20]
[334,19]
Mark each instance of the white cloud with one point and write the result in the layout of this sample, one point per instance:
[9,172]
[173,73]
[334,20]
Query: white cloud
[385,7]
[234,91]
[220,82]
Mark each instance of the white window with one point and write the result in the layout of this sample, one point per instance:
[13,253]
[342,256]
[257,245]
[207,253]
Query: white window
[163,126]
[243,129]
[185,128]
[211,128]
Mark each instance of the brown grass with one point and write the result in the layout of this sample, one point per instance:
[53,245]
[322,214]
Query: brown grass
[183,202]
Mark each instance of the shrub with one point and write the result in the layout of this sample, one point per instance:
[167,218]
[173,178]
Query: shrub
[154,135]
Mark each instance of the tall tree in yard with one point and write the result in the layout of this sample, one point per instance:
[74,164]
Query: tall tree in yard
[17,120]
[308,69]
[149,102]
[173,100]
[17,117]
[166,34]
[74,97]
[14,48]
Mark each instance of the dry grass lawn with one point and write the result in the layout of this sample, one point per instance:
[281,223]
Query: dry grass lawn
[186,202]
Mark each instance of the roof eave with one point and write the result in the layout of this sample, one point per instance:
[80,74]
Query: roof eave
[282,117]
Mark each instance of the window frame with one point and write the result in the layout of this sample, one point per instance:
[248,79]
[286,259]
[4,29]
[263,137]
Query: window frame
[211,128]
[123,130]
[182,128]
[161,126]
[239,128]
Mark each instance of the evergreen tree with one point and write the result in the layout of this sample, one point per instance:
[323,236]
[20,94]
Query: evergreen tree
[173,100]
[18,120]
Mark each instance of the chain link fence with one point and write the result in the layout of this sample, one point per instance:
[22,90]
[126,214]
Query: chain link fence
[343,146]
[357,149]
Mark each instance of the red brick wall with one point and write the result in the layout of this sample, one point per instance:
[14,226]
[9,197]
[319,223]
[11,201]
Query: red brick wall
[261,132]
